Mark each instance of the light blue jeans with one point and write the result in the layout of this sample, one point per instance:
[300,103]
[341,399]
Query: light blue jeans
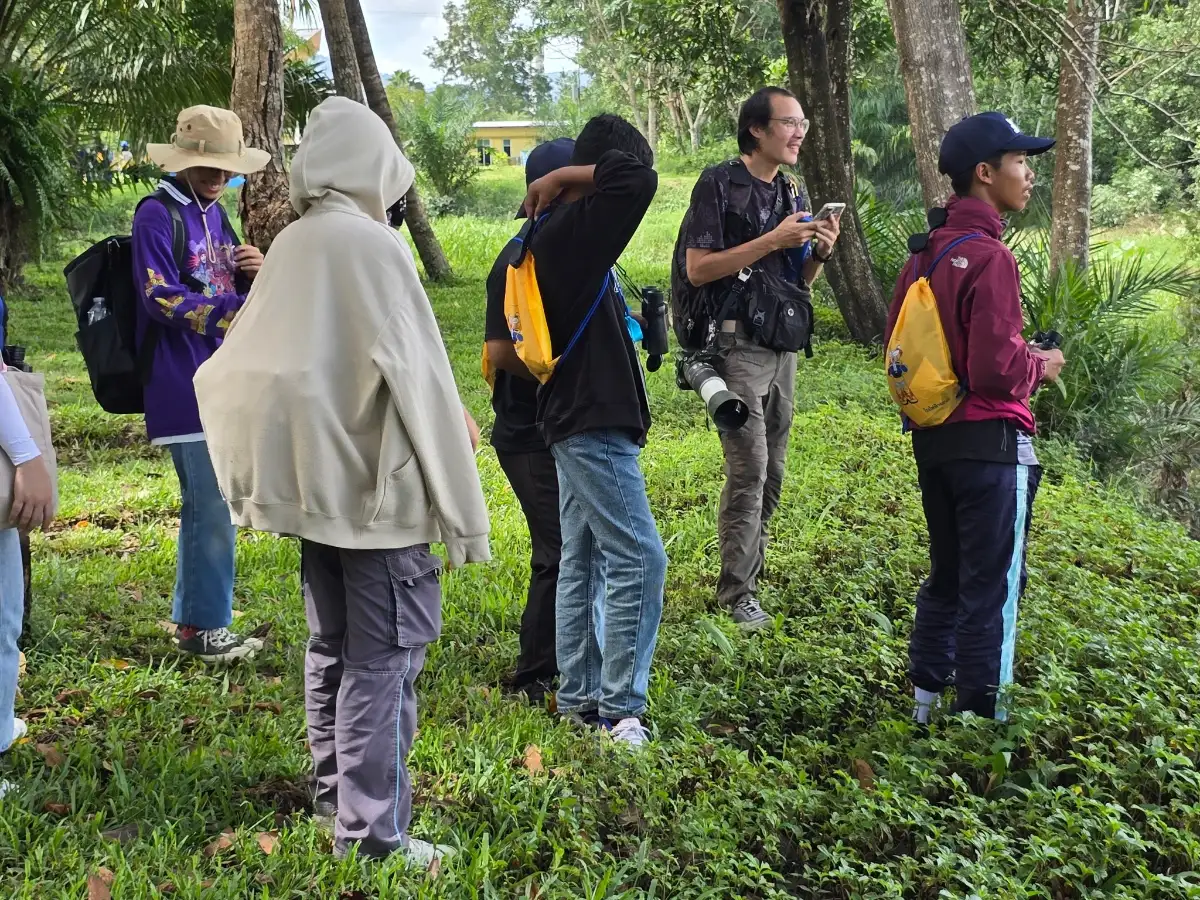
[610,581]
[207,536]
[12,605]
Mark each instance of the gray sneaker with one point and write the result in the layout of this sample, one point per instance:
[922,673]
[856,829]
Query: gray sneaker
[218,645]
[749,615]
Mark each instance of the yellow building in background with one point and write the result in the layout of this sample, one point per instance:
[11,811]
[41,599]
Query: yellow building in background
[512,139]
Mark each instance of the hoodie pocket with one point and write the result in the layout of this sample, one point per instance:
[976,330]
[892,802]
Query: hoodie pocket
[403,499]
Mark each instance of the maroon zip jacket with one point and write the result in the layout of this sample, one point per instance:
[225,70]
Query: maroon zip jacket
[978,294]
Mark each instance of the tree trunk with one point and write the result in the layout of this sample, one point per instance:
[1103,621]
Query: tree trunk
[1070,230]
[346,80]
[816,35]
[258,100]
[696,126]
[13,239]
[681,135]
[651,108]
[437,267]
[937,80]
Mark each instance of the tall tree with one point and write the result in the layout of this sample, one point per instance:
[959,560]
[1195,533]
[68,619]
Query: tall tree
[437,267]
[258,99]
[346,77]
[1070,230]
[487,46]
[816,34]
[937,80]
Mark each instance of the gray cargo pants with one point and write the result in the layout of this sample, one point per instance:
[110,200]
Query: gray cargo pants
[755,457]
[371,613]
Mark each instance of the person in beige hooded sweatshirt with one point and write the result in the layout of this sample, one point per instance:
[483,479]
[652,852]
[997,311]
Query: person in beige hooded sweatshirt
[332,414]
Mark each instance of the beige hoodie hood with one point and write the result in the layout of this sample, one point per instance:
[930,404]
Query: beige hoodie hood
[348,156]
[330,409]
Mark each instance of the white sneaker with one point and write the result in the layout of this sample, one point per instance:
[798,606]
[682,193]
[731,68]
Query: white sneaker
[630,732]
[20,729]
[6,788]
[422,853]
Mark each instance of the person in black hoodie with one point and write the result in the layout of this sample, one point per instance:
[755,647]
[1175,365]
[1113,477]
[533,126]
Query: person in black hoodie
[594,416]
[527,462]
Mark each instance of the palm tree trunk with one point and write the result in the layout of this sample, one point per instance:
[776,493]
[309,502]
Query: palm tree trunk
[346,79]
[258,99]
[1070,230]
[816,36]
[437,267]
[937,80]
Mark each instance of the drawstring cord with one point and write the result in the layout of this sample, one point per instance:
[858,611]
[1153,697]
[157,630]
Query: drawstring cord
[212,256]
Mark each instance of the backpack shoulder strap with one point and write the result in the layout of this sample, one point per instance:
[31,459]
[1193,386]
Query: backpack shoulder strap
[178,233]
[228,225]
[740,184]
[954,243]
[608,279]
[521,240]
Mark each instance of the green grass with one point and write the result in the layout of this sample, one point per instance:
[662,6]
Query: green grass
[785,765]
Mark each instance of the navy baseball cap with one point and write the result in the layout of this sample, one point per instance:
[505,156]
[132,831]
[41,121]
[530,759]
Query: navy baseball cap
[545,158]
[982,137]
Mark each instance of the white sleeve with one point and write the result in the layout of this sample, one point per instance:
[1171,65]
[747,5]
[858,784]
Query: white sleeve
[412,360]
[15,440]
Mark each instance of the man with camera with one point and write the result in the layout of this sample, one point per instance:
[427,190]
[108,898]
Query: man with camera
[594,415]
[747,254]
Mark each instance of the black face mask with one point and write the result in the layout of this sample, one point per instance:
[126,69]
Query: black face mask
[395,213]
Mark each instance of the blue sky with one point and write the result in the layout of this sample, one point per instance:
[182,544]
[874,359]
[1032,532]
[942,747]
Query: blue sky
[402,30]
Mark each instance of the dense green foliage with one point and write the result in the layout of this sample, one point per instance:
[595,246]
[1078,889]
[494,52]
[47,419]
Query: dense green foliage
[784,764]
[439,138]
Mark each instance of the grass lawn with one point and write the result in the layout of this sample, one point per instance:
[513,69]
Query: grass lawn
[784,764]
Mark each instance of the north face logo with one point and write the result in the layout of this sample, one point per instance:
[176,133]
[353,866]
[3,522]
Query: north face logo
[959,262]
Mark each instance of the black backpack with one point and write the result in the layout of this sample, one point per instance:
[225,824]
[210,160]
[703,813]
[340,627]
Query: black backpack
[117,367]
[692,308]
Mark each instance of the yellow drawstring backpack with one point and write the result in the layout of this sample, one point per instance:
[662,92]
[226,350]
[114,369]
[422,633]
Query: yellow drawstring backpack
[920,372]
[526,316]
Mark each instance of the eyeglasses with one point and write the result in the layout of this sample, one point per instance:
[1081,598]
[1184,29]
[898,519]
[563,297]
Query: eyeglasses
[794,124]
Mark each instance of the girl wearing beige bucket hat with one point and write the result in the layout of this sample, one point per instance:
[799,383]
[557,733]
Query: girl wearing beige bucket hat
[187,305]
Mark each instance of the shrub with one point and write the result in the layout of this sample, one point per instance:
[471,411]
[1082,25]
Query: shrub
[441,141]
[1132,193]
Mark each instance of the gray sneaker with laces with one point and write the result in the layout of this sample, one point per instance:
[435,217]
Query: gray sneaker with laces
[422,853]
[749,615]
[218,645]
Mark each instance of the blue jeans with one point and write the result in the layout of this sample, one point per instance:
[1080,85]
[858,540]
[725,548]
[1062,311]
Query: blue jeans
[610,581]
[12,605]
[207,535]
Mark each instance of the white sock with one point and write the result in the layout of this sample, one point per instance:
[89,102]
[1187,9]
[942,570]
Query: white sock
[925,701]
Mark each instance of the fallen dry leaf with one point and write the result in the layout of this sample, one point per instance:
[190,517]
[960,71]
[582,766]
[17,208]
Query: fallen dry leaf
[22,665]
[118,664]
[268,841]
[150,694]
[276,708]
[65,697]
[169,627]
[58,809]
[98,885]
[237,689]
[188,723]
[264,878]
[50,755]
[223,842]
[33,714]
[237,613]
[533,760]
[275,679]
[864,774]
[167,887]
[82,523]
[435,867]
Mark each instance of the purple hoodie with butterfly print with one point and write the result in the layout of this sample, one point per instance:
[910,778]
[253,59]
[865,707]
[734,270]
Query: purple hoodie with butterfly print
[193,308]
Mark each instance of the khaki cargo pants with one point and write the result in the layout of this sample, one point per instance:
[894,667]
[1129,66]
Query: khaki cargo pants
[755,457]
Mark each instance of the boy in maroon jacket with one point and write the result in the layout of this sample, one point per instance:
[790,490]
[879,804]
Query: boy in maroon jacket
[977,470]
